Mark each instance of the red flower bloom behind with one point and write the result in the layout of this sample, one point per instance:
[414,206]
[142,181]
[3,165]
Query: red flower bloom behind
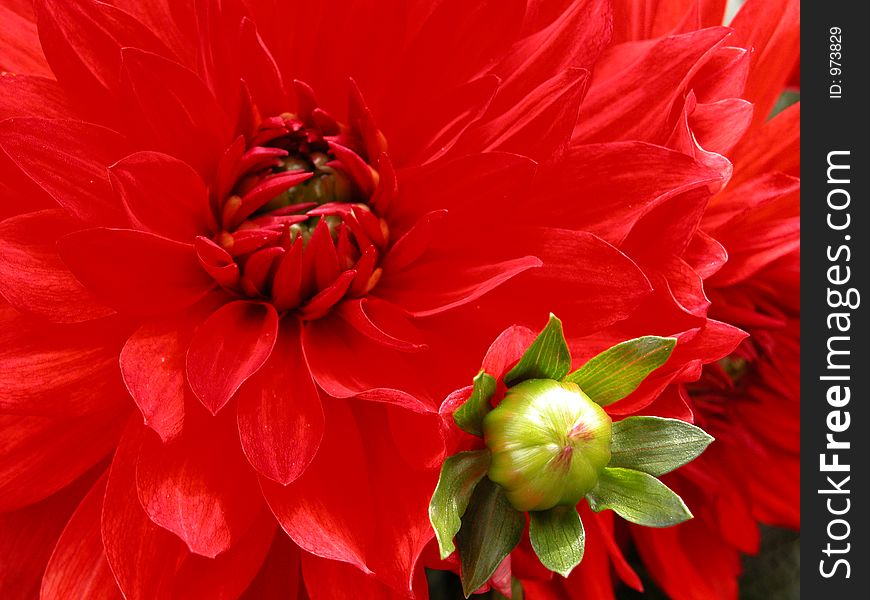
[749,401]
[682,241]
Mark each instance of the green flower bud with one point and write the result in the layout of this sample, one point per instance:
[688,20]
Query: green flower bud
[549,442]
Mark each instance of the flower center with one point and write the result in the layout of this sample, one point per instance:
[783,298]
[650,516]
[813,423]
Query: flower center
[295,210]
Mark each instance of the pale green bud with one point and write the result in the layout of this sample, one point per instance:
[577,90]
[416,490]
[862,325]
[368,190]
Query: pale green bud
[549,443]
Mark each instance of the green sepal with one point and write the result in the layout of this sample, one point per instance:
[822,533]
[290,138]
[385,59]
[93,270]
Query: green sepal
[460,474]
[558,538]
[616,372]
[655,445]
[491,529]
[638,497]
[469,416]
[547,358]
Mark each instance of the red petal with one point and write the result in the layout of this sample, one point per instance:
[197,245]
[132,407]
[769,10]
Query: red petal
[152,364]
[446,282]
[40,455]
[498,181]
[217,262]
[217,26]
[476,34]
[143,557]
[671,555]
[713,342]
[33,278]
[317,511]
[135,271]
[83,42]
[320,263]
[716,340]
[758,237]
[644,19]
[370,370]
[425,140]
[355,167]
[574,38]
[228,348]
[258,267]
[522,562]
[279,412]
[280,577]
[507,349]
[58,370]
[401,504]
[328,297]
[331,580]
[28,96]
[149,562]
[672,403]
[625,103]
[162,194]
[539,125]
[686,287]
[414,243]
[199,485]
[705,255]
[742,202]
[78,566]
[168,98]
[625,179]
[682,138]
[720,125]
[287,285]
[588,580]
[604,525]
[167,20]
[14,183]
[773,32]
[228,575]
[259,196]
[605,287]
[20,51]
[667,228]
[418,437]
[773,147]
[68,159]
[260,71]
[28,536]
[723,76]
[382,322]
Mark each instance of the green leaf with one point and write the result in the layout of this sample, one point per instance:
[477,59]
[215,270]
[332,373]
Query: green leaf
[469,416]
[547,358]
[558,538]
[616,372]
[459,476]
[655,445]
[491,528]
[638,497]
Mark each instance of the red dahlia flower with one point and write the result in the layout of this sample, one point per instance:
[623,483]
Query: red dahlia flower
[252,251]
[250,247]
[750,400]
